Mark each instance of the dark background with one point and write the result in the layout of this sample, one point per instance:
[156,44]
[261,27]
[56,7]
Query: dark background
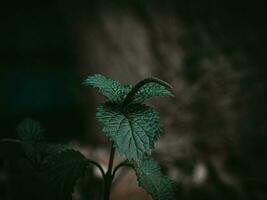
[212,52]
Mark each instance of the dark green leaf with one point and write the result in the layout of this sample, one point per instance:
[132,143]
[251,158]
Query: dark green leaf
[32,143]
[31,134]
[60,177]
[30,130]
[133,129]
[150,178]
[53,149]
[12,149]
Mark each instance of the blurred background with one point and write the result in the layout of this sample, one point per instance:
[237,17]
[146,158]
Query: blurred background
[212,52]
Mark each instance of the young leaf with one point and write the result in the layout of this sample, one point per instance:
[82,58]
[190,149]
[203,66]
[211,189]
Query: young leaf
[60,177]
[115,92]
[30,130]
[151,89]
[133,129]
[31,134]
[112,89]
[32,142]
[151,179]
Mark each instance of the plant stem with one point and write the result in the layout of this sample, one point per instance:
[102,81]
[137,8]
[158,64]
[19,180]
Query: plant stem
[109,176]
[98,166]
[122,164]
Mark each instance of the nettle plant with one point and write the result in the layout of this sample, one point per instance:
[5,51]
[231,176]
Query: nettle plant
[133,129]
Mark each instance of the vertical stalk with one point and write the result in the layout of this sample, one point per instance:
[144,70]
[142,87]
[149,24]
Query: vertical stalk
[109,176]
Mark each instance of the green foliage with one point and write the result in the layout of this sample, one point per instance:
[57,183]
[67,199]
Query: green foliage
[35,148]
[134,130]
[63,171]
[151,90]
[116,92]
[135,127]
[113,90]
[59,167]
[31,134]
[30,130]
[150,178]
[132,126]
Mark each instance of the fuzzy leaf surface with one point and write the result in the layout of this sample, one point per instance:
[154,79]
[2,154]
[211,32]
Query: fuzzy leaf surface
[133,129]
[112,89]
[151,90]
[151,179]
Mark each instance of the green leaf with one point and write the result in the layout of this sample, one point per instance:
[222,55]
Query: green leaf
[133,129]
[113,90]
[32,142]
[54,149]
[30,130]
[31,134]
[149,90]
[60,177]
[151,179]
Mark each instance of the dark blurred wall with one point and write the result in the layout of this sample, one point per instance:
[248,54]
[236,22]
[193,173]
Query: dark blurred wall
[38,70]
[212,52]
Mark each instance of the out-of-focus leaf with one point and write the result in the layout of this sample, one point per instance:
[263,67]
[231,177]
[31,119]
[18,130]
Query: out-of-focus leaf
[30,130]
[30,145]
[63,172]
